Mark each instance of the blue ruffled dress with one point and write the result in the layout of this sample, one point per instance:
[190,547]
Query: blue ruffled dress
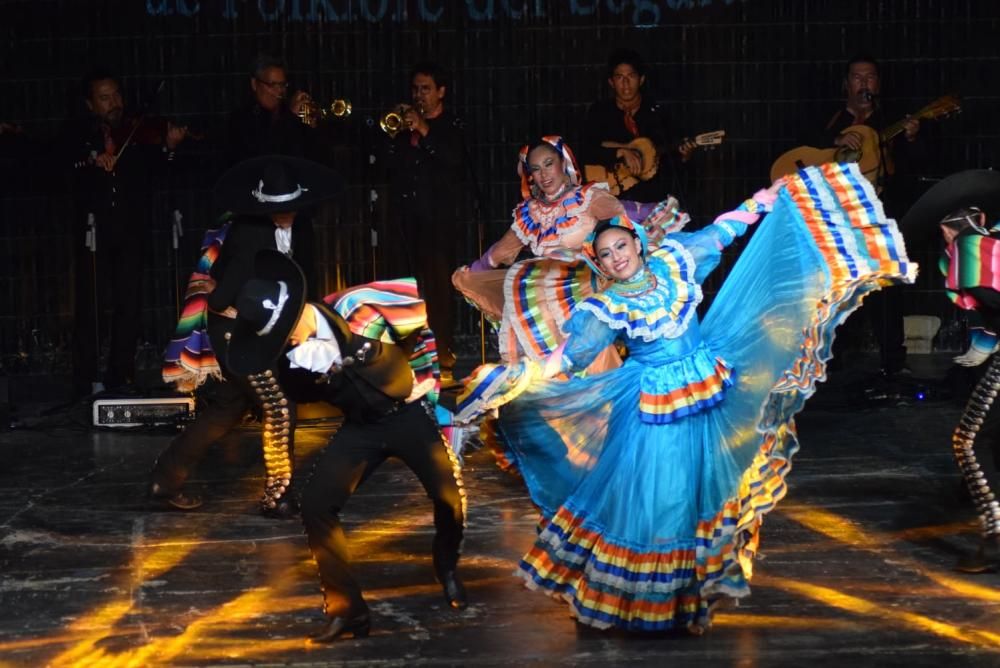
[653,478]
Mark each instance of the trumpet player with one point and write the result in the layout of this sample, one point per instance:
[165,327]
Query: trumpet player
[425,159]
[269,124]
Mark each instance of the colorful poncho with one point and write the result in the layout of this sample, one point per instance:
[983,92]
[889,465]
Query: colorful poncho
[189,359]
[972,260]
[388,311]
[392,311]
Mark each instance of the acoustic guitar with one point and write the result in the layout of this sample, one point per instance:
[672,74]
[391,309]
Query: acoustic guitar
[621,179]
[868,157]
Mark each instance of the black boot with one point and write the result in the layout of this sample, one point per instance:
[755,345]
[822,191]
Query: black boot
[358,625]
[178,500]
[454,590]
[285,508]
[985,560]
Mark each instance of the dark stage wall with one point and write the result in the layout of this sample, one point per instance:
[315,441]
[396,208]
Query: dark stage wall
[766,71]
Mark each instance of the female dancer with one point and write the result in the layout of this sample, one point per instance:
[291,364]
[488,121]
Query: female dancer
[652,478]
[530,300]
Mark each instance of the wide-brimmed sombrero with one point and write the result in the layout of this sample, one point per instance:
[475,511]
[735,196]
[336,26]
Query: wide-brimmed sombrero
[268,307]
[972,188]
[275,184]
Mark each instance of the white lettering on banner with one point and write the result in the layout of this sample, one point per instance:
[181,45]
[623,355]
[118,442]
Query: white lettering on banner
[643,12]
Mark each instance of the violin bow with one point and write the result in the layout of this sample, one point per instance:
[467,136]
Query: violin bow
[141,117]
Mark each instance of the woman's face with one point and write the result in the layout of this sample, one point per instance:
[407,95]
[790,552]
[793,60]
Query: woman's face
[545,166]
[618,253]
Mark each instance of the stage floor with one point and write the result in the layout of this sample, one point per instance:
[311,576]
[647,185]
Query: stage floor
[855,567]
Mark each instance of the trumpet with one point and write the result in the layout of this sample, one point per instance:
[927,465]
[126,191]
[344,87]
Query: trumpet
[392,123]
[311,113]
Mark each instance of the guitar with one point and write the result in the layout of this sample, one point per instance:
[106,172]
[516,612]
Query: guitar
[621,179]
[868,157]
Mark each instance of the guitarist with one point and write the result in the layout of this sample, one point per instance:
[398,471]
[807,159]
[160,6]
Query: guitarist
[862,86]
[898,158]
[625,118]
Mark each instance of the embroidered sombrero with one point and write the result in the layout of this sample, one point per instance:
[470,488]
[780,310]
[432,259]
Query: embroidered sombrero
[275,184]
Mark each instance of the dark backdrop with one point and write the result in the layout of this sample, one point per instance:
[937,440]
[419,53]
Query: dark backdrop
[766,71]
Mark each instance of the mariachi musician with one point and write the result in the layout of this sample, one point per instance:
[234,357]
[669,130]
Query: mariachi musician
[426,156]
[116,159]
[271,122]
[899,161]
[623,120]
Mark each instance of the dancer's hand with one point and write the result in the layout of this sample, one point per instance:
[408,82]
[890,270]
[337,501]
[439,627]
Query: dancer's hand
[974,356]
[983,344]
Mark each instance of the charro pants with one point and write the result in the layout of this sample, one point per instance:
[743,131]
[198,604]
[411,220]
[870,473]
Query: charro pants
[976,442]
[221,409]
[352,455]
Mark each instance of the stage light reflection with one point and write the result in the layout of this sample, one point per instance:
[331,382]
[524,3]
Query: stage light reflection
[838,599]
[130,631]
[845,531]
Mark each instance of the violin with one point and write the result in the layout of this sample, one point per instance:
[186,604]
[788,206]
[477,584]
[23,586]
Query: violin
[147,130]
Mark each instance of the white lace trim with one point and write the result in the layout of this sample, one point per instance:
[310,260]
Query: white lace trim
[670,328]
[576,211]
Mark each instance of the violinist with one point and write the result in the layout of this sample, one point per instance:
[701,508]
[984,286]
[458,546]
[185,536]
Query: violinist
[116,160]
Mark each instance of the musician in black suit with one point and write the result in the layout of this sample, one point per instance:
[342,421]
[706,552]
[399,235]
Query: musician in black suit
[269,122]
[625,117]
[899,161]
[269,195]
[426,171]
[115,162]
[385,413]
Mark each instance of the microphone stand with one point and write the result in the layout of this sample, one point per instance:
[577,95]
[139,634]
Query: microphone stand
[369,191]
[177,231]
[91,244]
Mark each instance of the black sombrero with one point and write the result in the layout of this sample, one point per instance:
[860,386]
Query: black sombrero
[268,307]
[972,188]
[275,184]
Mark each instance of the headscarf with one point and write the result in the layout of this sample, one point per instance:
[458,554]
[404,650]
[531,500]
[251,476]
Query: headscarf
[570,167]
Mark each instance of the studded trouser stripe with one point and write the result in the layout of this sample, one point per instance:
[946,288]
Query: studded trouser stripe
[456,467]
[276,437]
[980,480]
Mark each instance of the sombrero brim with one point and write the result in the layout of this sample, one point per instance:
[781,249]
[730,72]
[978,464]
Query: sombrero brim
[249,353]
[234,189]
[975,187]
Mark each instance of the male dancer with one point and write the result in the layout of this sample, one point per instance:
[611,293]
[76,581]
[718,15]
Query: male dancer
[966,206]
[267,194]
[372,379]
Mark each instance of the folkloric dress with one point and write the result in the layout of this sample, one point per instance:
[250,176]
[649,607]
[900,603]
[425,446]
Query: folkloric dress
[653,478]
[530,300]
